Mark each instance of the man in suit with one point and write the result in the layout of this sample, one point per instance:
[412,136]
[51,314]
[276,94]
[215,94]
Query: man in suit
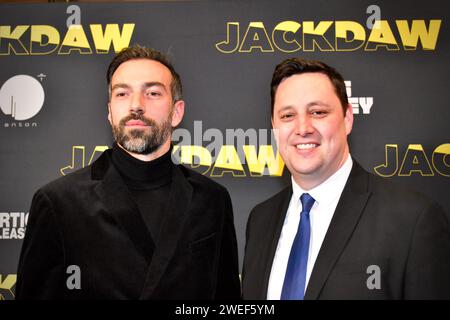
[337,232]
[133,225]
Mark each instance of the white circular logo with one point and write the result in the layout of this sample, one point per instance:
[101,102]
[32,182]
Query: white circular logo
[22,97]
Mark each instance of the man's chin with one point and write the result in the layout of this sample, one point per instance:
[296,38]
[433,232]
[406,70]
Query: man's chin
[305,169]
[136,132]
[133,146]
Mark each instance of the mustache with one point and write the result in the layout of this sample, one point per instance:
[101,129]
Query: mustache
[140,117]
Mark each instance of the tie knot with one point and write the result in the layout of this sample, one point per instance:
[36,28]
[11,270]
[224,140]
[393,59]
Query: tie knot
[307,202]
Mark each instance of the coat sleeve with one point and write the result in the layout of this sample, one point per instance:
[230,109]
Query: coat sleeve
[428,267]
[228,283]
[40,272]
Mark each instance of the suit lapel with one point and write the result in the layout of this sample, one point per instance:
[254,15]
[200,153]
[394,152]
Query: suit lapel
[115,196]
[351,204]
[172,226]
[276,222]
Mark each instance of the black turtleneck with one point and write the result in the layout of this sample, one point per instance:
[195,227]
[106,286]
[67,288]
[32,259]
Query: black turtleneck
[149,184]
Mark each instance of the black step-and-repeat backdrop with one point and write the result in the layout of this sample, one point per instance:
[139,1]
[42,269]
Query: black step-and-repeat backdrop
[394,56]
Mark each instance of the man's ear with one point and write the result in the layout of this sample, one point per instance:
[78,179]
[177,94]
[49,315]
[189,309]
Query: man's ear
[177,113]
[109,113]
[348,119]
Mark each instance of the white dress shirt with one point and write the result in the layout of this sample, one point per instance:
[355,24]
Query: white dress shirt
[326,196]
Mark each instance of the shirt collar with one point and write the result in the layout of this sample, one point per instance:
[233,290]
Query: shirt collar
[328,190]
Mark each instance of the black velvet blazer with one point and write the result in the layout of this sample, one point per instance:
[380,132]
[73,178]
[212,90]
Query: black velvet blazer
[88,219]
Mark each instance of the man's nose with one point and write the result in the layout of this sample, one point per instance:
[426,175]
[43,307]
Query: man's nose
[304,126]
[137,104]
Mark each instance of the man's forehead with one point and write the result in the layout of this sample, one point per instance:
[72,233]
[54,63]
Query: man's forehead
[310,89]
[305,83]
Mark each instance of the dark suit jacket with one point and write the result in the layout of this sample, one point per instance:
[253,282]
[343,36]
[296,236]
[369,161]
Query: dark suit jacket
[89,219]
[375,223]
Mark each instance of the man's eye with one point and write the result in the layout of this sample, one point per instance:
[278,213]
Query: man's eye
[154,93]
[318,113]
[286,116]
[120,94]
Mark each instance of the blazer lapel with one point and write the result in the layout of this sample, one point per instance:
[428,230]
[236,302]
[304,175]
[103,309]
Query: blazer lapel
[352,203]
[276,222]
[118,201]
[172,226]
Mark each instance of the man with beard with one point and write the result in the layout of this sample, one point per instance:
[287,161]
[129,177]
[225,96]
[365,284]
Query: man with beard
[132,225]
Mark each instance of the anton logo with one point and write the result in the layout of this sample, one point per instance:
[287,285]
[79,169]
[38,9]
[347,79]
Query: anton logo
[21,97]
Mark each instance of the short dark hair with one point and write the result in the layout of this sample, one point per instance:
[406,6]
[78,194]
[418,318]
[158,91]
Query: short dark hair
[290,67]
[140,52]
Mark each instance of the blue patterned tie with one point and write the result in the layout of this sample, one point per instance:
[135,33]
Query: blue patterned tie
[295,277]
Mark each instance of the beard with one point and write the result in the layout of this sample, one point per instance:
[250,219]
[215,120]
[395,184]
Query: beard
[142,141]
